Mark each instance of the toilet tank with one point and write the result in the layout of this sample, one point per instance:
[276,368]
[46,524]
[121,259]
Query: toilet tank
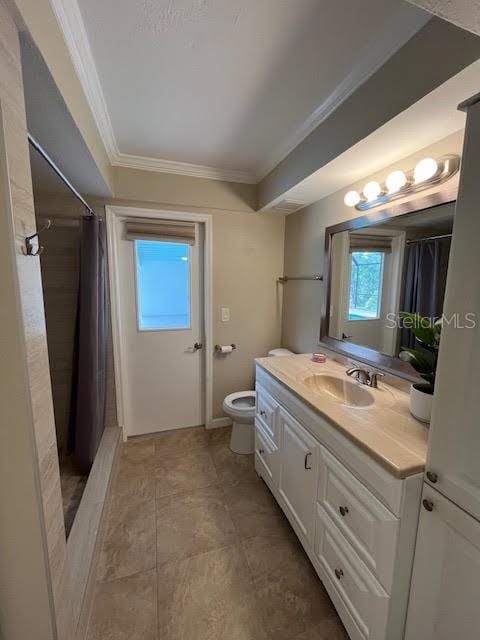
[280,352]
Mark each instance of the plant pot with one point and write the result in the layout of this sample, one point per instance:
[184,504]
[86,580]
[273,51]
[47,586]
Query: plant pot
[421,398]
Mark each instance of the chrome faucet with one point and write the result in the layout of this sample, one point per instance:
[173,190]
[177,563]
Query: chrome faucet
[368,378]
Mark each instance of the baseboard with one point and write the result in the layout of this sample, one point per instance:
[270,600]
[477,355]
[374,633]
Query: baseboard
[218,423]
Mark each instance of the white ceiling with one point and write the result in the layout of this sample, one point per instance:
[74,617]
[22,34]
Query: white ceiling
[229,84]
[432,118]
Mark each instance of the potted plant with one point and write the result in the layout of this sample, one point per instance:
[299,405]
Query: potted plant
[427,334]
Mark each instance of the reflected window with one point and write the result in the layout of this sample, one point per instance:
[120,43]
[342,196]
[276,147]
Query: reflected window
[163,285]
[366,280]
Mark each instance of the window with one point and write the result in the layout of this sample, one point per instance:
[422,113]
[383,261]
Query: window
[163,285]
[366,277]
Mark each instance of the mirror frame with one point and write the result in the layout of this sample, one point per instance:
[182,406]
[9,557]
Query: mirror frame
[367,355]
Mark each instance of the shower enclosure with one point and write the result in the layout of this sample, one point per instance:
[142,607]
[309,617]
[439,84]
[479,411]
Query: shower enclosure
[73,267]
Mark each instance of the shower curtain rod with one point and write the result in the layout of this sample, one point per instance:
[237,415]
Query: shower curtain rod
[38,147]
[445,235]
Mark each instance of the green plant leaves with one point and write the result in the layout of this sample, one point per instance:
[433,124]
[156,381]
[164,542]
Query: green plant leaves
[420,361]
[425,331]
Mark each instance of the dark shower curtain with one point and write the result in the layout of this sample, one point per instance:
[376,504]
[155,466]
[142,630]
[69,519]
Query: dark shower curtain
[90,372]
[425,280]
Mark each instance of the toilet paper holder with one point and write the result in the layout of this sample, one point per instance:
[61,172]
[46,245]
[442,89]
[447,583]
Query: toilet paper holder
[218,347]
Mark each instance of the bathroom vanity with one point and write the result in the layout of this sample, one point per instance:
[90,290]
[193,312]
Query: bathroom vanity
[345,462]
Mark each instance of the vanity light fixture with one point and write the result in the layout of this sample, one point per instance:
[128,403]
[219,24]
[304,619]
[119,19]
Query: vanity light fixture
[398,184]
[395,181]
[372,190]
[352,198]
[425,170]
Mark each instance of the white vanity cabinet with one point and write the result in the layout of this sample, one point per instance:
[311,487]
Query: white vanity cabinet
[298,474]
[356,521]
[445,592]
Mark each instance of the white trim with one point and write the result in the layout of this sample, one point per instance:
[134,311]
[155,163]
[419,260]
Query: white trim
[113,217]
[182,168]
[218,423]
[403,26]
[71,23]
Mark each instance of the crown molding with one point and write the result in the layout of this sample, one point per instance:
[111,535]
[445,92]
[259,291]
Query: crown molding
[403,26]
[182,168]
[71,23]
[69,17]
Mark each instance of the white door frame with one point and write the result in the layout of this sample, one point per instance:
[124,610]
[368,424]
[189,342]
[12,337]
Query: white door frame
[115,215]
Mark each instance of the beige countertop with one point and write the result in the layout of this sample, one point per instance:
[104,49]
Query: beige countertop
[385,429]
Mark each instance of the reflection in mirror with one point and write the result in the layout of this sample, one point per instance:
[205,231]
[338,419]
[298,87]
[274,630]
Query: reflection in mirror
[379,270]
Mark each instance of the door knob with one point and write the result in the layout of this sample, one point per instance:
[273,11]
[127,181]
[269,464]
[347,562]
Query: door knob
[197,346]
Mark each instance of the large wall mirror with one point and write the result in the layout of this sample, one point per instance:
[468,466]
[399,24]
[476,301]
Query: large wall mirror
[377,266]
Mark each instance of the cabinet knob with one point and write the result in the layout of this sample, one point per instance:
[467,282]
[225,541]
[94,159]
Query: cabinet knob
[343,511]
[261,451]
[263,414]
[432,477]
[339,573]
[306,465]
[428,504]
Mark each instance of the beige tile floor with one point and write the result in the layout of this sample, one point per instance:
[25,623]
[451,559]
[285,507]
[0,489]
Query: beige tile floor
[196,548]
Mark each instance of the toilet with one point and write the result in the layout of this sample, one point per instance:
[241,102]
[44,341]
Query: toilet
[240,407]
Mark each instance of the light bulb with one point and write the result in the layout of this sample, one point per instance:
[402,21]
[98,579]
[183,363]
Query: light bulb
[352,198]
[372,190]
[395,181]
[425,170]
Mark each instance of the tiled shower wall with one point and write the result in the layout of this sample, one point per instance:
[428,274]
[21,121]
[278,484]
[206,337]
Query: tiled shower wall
[33,321]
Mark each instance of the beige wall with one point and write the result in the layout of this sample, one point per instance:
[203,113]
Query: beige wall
[304,250]
[35,395]
[247,260]
[184,191]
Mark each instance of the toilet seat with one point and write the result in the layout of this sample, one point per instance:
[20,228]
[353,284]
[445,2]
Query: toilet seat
[240,404]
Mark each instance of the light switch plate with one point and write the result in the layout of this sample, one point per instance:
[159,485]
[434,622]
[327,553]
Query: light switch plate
[225,314]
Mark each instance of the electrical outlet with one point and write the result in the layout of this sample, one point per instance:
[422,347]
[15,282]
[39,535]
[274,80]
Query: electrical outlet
[225,314]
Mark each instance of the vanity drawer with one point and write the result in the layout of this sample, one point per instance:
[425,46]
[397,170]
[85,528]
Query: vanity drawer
[364,521]
[362,602]
[266,412]
[266,458]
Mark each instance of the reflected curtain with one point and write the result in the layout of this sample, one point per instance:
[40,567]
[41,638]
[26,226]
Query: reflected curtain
[425,280]
[89,392]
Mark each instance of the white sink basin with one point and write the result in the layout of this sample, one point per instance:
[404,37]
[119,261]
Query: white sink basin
[342,391]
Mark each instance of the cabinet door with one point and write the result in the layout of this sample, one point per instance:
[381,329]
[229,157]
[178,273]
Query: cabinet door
[298,474]
[454,439]
[445,591]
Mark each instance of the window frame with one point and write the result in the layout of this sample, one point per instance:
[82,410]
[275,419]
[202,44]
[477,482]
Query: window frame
[378,316]
[137,289]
